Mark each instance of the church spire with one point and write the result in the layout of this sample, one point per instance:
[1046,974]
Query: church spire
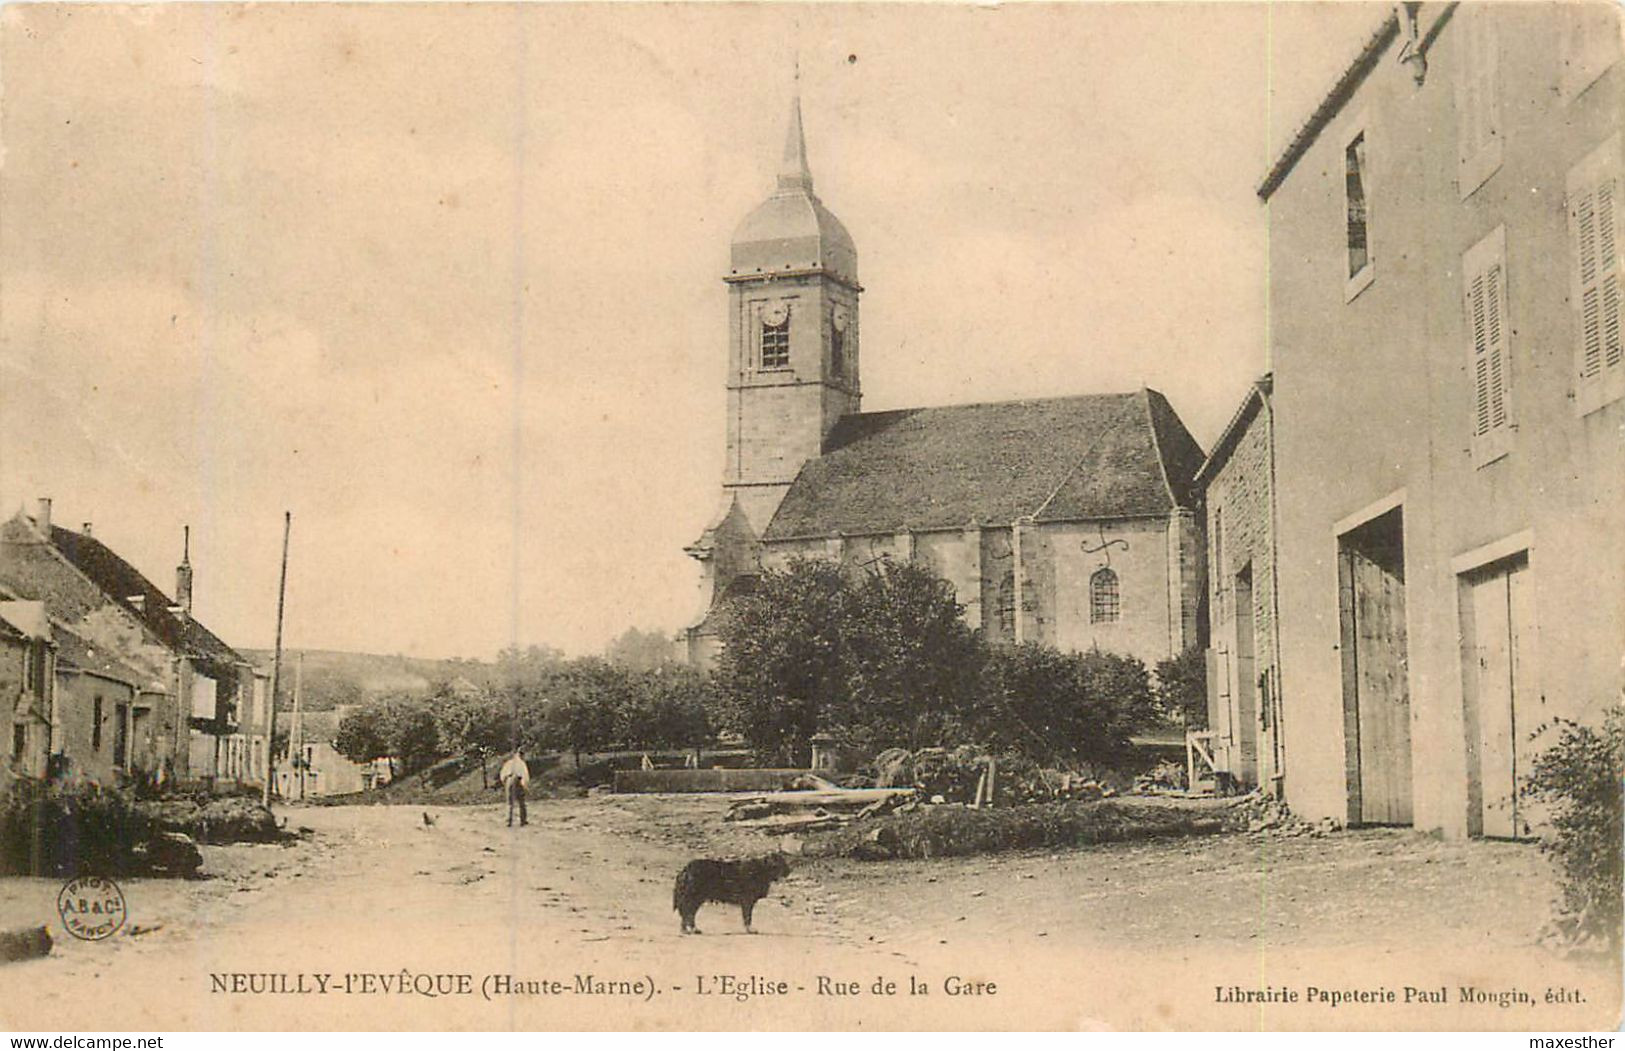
[794,174]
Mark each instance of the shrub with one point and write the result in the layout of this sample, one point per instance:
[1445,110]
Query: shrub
[1063,707]
[48,829]
[1580,776]
[1181,689]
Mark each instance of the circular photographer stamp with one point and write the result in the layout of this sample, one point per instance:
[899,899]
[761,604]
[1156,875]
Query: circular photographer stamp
[91,907]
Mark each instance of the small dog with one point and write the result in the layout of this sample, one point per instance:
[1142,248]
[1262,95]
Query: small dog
[741,882]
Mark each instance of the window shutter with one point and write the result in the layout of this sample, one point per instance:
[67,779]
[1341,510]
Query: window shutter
[1478,100]
[1481,361]
[1489,82]
[1594,189]
[1496,345]
[1484,272]
[1590,43]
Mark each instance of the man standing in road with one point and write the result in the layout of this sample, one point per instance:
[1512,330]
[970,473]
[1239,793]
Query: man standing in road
[515,777]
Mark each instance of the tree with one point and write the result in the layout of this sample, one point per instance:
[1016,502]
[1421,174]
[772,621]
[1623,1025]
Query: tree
[359,737]
[407,728]
[1181,689]
[528,665]
[472,722]
[642,650]
[1057,706]
[912,661]
[578,710]
[670,707]
[880,657]
[782,666]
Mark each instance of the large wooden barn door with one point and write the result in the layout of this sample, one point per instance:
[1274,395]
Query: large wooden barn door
[1376,688]
[1503,636]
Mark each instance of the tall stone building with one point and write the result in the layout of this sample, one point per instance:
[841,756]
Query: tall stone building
[1069,521]
[1243,657]
[1448,405]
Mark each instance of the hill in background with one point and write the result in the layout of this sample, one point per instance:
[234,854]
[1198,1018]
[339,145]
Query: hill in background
[333,678]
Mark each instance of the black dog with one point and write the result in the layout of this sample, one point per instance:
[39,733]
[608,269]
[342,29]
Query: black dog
[731,882]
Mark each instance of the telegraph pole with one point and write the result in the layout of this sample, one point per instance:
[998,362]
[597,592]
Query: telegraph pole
[276,661]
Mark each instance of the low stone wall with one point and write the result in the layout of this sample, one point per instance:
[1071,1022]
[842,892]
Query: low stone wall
[704,780]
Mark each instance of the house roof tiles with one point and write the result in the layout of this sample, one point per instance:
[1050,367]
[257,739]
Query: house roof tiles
[122,582]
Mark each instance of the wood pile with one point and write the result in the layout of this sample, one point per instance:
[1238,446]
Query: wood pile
[816,809]
[24,943]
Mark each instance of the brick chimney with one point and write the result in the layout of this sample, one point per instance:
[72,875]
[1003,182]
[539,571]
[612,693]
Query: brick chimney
[183,572]
[86,529]
[42,517]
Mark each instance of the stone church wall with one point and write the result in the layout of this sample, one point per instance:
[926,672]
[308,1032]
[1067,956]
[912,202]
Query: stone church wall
[1150,623]
[1157,566]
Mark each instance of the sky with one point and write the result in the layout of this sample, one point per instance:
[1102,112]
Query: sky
[445,281]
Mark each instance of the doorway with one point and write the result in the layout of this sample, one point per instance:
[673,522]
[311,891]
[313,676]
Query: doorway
[1376,686]
[1246,721]
[1500,694]
[121,735]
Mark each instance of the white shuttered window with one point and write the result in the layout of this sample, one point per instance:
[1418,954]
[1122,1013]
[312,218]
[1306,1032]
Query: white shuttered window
[1489,357]
[1478,97]
[1595,237]
[1591,42]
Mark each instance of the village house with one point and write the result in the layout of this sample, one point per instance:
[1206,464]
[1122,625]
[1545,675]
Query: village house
[245,754]
[1069,521]
[27,688]
[1444,261]
[314,767]
[1243,683]
[126,630]
[104,713]
[79,713]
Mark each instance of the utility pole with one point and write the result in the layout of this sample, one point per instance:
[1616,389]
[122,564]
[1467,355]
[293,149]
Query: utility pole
[276,661]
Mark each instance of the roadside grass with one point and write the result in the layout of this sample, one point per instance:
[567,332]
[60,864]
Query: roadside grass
[949,831]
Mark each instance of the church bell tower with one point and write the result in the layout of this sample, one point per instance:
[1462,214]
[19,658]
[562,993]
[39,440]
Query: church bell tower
[793,351]
[793,335]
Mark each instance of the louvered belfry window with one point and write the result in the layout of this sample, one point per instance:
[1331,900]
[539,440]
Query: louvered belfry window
[1354,192]
[1594,224]
[1489,356]
[776,343]
[1105,605]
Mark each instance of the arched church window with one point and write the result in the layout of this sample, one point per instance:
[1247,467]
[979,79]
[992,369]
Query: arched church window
[776,338]
[1104,604]
[837,343]
[1004,608]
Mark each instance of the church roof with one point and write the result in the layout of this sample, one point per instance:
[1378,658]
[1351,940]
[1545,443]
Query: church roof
[792,230]
[1094,456]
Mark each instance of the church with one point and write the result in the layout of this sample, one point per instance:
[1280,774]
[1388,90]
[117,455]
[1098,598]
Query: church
[1069,521]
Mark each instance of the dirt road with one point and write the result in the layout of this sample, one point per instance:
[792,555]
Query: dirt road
[568,924]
